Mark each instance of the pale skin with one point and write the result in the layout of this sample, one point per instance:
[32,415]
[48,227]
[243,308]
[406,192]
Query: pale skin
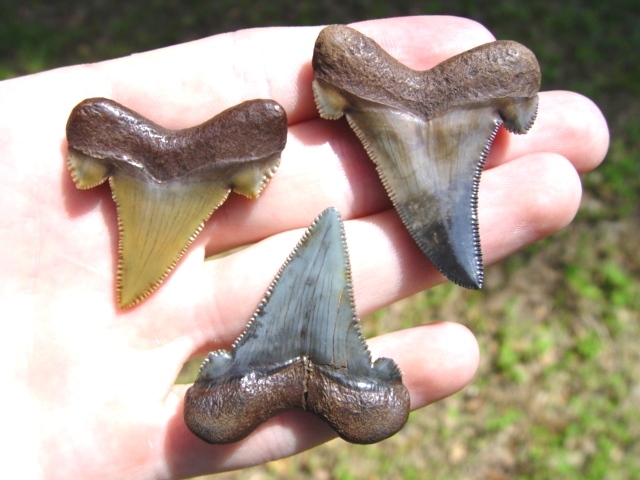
[89,389]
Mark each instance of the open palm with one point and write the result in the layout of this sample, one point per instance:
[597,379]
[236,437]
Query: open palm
[89,388]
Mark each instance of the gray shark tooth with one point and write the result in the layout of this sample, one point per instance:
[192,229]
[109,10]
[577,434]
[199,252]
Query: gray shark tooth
[167,183]
[302,350]
[429,132]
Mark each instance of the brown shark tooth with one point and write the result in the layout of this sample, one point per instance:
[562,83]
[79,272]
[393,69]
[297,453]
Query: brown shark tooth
[429,132]
[167,183]
[302,350]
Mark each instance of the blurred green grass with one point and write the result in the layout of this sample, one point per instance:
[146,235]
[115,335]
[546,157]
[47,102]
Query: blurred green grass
[558,389]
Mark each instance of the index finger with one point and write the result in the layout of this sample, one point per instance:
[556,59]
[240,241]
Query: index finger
[185,84]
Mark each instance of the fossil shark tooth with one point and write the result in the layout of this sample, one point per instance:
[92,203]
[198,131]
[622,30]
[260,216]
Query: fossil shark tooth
[429,132]
[167,183]
[302,349]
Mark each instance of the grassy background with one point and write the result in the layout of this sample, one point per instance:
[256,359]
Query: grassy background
[558,390]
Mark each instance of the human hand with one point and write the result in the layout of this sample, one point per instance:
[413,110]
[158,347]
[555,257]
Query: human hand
[90,387]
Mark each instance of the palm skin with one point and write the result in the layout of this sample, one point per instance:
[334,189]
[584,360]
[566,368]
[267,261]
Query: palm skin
[89,388]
